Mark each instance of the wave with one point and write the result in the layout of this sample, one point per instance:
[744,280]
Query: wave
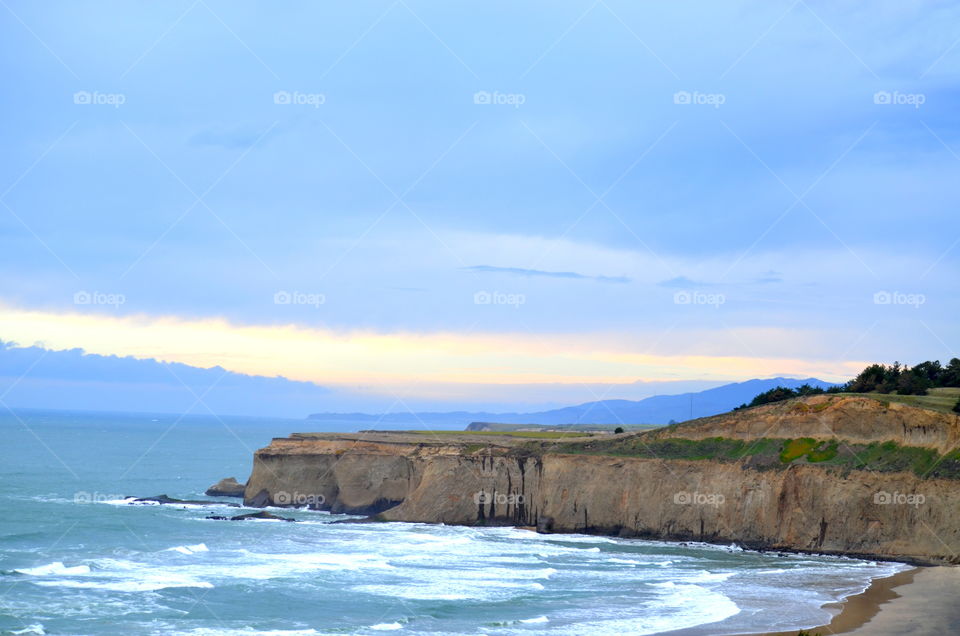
[159,583]
[446,590]
[538,619]
[55,568]
[576,584]
[576,538]
[189,549]
[125,577]
[246,631]
[661,564]
[711,577]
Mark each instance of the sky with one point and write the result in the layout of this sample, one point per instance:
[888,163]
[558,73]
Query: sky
[483,204]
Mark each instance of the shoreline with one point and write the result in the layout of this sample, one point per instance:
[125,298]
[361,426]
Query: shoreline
[921,598]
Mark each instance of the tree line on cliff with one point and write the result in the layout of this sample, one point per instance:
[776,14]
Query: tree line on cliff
[880,378]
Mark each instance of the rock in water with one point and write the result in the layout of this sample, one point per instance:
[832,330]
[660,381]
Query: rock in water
[263,514]
[228,487]
[165,500]
[544,524]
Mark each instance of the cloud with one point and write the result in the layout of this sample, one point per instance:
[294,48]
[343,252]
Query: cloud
[74,379]
[520,271]
[683,282]
[438,367]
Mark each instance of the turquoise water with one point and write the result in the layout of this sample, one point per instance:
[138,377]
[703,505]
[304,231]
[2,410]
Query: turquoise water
[75,558]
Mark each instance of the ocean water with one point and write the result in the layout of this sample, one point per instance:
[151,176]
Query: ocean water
[77,558]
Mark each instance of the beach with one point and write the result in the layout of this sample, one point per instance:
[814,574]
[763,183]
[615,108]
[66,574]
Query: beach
[919,601]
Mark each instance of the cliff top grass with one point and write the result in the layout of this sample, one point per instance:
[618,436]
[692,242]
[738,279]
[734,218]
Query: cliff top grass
[471,439]
[941,399]
[521,434]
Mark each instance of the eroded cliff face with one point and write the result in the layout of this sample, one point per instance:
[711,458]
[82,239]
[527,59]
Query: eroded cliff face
[799,507]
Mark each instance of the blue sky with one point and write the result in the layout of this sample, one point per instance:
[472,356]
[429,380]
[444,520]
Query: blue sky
[340,154]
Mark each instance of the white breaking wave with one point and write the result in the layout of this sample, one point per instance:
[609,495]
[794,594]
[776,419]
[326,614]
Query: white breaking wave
[189,549]
[55,568]
[710,577]
[148,584]
[538,619]
[125,577]
[386,627]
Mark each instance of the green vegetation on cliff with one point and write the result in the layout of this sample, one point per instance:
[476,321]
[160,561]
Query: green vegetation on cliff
[777,454]
[809,448]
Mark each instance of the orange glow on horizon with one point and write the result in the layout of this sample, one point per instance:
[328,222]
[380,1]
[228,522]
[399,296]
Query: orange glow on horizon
[331,357]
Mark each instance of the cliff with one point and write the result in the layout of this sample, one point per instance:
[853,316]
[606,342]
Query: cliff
[828,474]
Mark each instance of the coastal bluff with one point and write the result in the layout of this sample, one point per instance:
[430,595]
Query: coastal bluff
[829,474]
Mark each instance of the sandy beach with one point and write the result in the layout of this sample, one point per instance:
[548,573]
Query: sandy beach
[921,601]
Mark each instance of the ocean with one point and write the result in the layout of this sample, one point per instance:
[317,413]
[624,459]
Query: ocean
[77,558]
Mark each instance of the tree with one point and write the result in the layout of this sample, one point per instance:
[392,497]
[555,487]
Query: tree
[929,370]
[951,374]
[619,429]
[868,380]
[891,378]
[910,383]
[780,393]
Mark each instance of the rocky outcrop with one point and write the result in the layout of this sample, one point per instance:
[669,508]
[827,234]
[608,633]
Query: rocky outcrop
[228,487]
[805,507]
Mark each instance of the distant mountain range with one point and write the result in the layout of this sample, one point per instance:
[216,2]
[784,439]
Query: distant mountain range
[659,409]
[36,377]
